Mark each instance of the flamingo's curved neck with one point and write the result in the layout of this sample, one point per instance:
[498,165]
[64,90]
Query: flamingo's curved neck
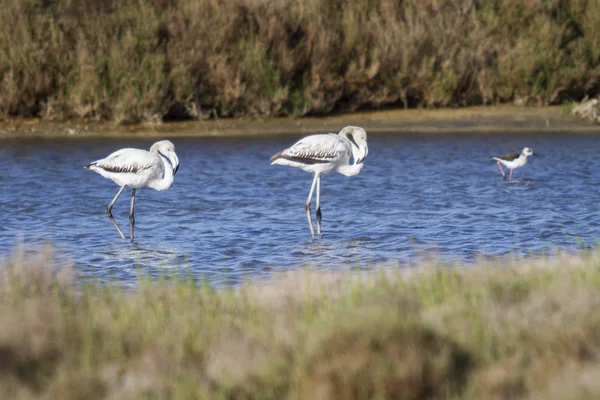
[349,169]
[167,179]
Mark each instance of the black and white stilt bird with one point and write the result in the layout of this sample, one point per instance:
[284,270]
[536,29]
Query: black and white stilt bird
[513,160]
[135,169]
[323,153]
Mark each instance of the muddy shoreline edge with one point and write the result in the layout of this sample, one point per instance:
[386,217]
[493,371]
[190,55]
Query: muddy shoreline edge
[484,119]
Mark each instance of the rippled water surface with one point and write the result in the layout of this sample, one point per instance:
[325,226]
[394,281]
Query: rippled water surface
[230,215]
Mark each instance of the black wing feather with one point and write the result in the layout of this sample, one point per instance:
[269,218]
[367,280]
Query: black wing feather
[510,156]
[113,168]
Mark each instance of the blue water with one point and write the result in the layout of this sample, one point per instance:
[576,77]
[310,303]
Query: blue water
[231,216]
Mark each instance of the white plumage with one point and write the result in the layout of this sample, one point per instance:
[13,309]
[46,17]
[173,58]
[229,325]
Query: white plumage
[135,168]
[323,153]
[513,160]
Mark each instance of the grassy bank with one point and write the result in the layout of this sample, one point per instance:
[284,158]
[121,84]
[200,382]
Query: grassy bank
[511,329]
[503,119]
[145,60]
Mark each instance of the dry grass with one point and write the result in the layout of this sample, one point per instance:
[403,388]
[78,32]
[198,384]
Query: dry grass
[497,330]
[588,109]
[145,60]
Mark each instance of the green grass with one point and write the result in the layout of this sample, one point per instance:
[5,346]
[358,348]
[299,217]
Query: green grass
[526,328]
[144,60]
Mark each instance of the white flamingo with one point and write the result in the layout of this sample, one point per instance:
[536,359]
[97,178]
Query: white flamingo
[135,168]
[323,153]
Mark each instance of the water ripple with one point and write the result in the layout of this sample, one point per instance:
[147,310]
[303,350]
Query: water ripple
[230,215]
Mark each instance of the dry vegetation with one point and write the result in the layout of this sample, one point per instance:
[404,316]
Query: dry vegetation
[500,330]
[145,60]
[589,109]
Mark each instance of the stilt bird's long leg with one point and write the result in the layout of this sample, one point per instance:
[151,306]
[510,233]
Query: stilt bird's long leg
[501,170]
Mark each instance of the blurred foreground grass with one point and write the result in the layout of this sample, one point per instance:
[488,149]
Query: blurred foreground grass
[504,329]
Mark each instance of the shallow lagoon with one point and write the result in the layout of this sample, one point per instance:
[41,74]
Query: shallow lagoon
[230,215]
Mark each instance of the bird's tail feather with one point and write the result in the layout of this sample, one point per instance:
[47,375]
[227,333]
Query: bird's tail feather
[276,156]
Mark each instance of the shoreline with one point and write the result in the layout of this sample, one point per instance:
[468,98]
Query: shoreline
[477,119]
